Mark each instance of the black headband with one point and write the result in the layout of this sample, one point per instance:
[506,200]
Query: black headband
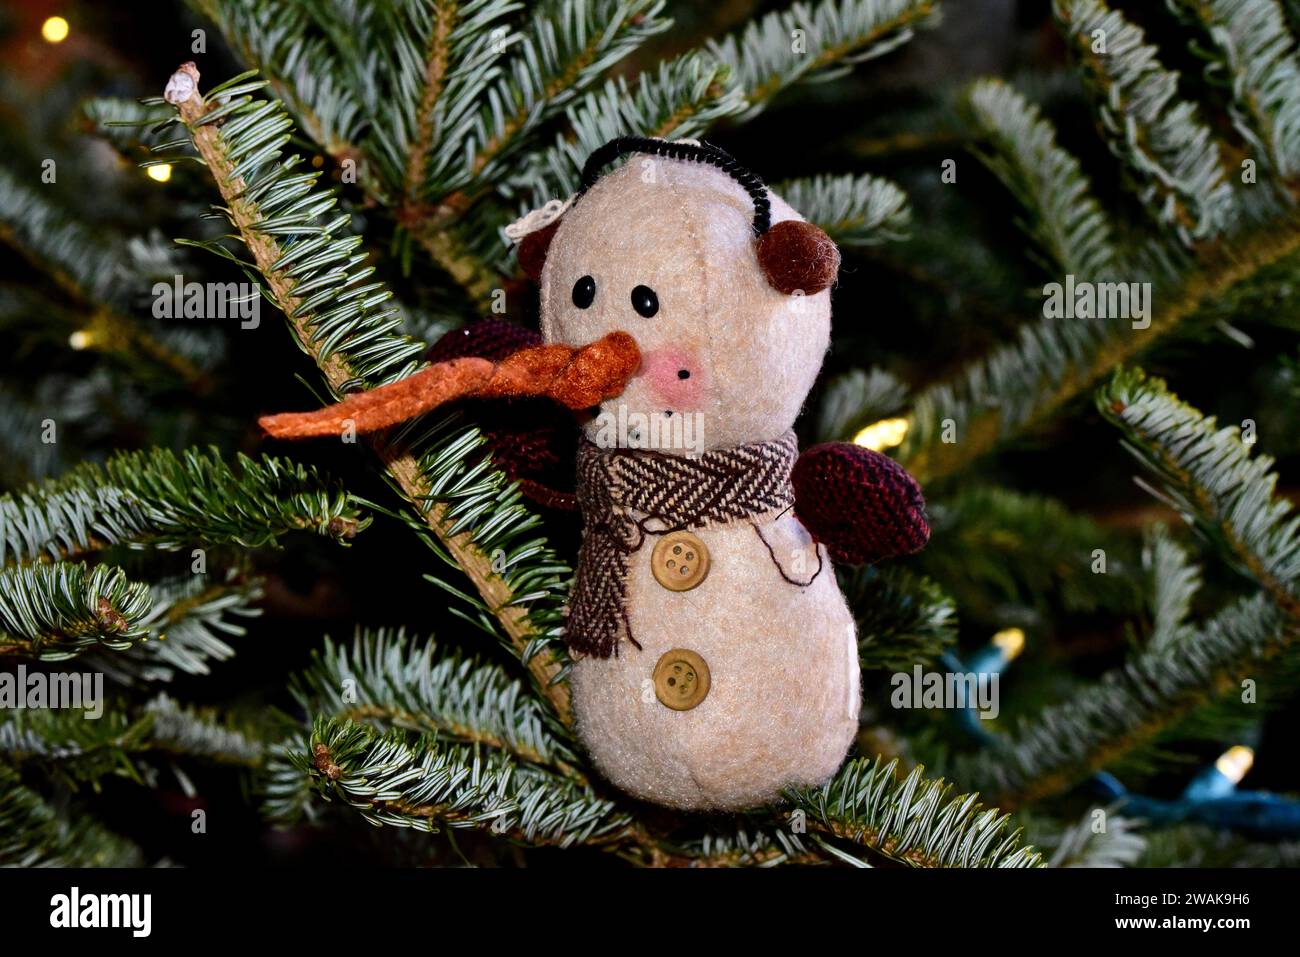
[703,153]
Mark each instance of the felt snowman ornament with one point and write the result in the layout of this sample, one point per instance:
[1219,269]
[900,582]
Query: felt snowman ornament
[687,308]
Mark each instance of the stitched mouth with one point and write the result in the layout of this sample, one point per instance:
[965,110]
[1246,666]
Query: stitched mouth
[578,377]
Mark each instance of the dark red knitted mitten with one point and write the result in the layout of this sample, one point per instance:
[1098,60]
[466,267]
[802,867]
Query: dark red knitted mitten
[863,506]
[483,339]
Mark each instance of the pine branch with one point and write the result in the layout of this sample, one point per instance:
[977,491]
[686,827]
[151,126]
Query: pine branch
[1170,153]
[915,821]
[855,399]
[1118,845]
[439,119]
[35,834]
[454,95]
[127,124]
[687,95]
[179,730]
[307,73]
[680,99]
[902,618]
[1061,745]
[747,844]
[1175,167]
[767,58]
[1208,475]
[565,47]
[476,713]
[391,112]
[160,499]
[1251,46]
[446,56]
[191,614]
[442,35]
[471,510]
[23,456]
[860,210]
[123,740]
[88,269]
[1064,219]
[387,680]
[426,784]
[191,617]
[1022,385]
[993,546]
[54,612]
[1174,580]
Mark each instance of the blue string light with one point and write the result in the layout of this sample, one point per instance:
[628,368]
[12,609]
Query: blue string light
[1211,799]
[1260,814]
[986,662]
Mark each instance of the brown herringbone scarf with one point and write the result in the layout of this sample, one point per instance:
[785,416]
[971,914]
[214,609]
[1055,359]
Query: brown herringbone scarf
[627,495]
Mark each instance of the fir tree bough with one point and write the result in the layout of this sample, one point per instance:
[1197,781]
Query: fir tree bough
[54,612]
[161,499]
[352,340]
[914,821]
[426,784]
[1210,477]
[1174,169]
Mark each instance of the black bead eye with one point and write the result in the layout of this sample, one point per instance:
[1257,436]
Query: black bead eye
[645,301]
[584,292]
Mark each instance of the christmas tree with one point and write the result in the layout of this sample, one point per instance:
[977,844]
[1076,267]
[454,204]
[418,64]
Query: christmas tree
[1052,221]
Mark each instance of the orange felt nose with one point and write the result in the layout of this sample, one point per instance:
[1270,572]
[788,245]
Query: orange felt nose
[598,371]
[575,377]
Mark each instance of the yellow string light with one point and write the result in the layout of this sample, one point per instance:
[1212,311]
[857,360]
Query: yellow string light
[1235,762]
[882,435]
[81,339]
[1010,641]
[54,30]
[161,172]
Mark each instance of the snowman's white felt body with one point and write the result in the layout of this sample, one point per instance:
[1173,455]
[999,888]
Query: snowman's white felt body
[783,704]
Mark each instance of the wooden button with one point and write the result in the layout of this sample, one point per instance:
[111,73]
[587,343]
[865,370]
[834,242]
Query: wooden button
[679,561]
[681,679]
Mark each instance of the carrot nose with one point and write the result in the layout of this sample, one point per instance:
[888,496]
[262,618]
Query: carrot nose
[576,377]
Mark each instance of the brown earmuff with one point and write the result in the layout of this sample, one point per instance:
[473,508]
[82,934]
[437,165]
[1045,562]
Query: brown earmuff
[798,257]
[532,250]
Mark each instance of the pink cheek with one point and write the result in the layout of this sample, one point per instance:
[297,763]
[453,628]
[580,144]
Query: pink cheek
[662,370]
